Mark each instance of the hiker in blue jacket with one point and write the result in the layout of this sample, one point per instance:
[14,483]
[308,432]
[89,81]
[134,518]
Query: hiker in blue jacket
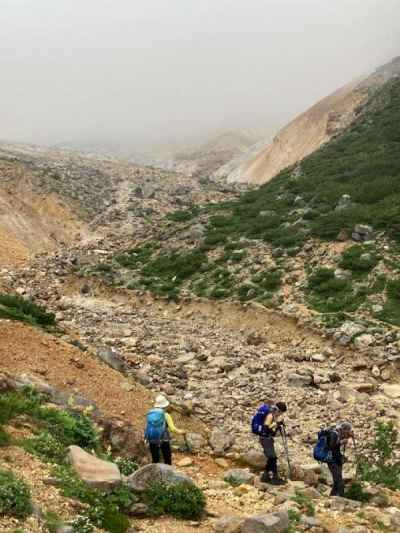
[157,433]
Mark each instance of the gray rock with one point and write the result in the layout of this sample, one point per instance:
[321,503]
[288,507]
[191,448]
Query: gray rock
[267,523]
[253,458]
[112,358]
[239,476]
[297,380]
[138,509]
[228,524]
[196,441]
[149,474]
[220,442]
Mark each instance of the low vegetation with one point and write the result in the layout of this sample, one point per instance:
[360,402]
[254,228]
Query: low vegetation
[182,500]
[15,307]
[379,463]
[15,498]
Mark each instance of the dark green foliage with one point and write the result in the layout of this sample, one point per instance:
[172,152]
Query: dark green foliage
[268,280]
[137,256]
[126,466]
[45,446]
[304,502]
[58,428]
[15,498]
[182,500]
[105,510]
[15,307]
[175,267]
[184,215]
[363,162]
[378,463]
[103,267]
[327,294]
[52,522]
[356,492]
[359,259]
[391,309]
[4,438]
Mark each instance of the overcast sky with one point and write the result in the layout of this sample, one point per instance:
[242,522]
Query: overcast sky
[150,69]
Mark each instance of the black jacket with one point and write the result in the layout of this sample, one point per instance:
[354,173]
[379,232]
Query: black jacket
[334,446]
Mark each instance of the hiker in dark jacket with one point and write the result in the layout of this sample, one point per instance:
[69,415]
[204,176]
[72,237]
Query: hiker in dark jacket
[336,440]
[272,424]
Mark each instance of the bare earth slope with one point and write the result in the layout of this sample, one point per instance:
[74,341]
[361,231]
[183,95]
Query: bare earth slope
[307,132]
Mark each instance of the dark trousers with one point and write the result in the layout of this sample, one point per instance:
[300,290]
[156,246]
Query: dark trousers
[165,449]
[269,451]
[337,476]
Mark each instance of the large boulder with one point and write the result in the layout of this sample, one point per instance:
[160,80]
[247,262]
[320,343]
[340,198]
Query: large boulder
[95,472]
[124,439]
[112,358]
[228,524]
[391,390]
[266,523]
[155,473]
[195,441]
[254,459]
[220,442]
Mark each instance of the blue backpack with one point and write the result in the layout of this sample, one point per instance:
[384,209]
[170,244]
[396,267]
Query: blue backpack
[155,426]
[257,422]
[321,452]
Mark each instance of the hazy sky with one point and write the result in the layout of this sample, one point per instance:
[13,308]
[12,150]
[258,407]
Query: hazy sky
[130,69]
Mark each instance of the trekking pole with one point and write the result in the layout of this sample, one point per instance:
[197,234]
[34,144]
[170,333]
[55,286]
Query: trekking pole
[286,448]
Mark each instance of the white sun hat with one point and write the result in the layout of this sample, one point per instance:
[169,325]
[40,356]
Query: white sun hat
[161,402]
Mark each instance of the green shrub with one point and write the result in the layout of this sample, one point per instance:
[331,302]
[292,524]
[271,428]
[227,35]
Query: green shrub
[378,463]
[184,215]
[15,498]
[304,502]
[52,522]
[182,500]
[126,466]
[104,509]
[268,280]
[328,294]
[359,259]
[356,492]
[137,256]
[46,446]
[15,307]
[391,309]
[82,524]
[4,438]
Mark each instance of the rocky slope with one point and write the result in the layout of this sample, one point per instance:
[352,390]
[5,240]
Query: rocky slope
[149,298]
[307,132]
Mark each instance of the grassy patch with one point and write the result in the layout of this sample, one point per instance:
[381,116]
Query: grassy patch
[359,259]
[184,215]
[391,309]
[136,257]
[328,294]
[15,307]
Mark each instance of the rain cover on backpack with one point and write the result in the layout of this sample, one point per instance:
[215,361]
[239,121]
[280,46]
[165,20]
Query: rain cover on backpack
[155,425]
[321,452]
[257,422]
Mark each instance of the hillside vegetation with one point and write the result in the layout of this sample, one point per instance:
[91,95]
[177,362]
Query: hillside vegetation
[248,248]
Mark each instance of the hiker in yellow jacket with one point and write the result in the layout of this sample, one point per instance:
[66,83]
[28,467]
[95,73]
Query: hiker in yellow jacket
[158,428]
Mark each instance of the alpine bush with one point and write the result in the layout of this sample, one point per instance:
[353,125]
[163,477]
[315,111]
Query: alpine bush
[15,498]
[15,307]
[182,500]
[378,464]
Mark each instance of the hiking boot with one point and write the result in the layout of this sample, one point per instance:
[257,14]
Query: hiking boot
[265,478]
[277,481]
